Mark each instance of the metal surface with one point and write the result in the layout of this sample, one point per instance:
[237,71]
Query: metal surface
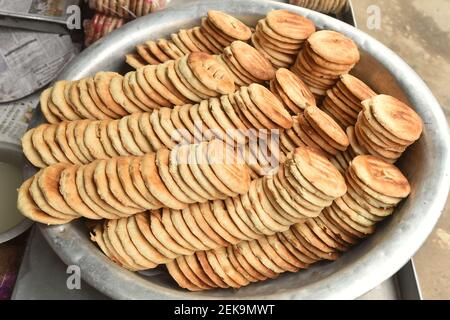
[34,25]
[348,14]
[43,275]
[12,154]
[407,280]
[402,286]
[426,165]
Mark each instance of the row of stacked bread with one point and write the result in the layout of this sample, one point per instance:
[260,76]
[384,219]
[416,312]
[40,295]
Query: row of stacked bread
[77,142]
[168,83]
[376,188]
[229,117]
[271,204]
[43,142]
[90,180]
[245,118]
[109,95]
[286,39]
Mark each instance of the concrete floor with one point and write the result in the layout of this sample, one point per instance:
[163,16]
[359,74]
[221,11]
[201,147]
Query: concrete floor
[419,31]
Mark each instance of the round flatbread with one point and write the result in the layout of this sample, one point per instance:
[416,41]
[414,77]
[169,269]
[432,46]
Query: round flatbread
[229,25]
[290,25]
[334,46]
[39,144]
[210,72]
[27,206]
[396,117]
[270,105]
[383,177]
[30,152]
[155,185]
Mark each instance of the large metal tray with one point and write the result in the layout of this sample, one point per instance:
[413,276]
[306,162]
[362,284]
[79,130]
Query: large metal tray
[426,164]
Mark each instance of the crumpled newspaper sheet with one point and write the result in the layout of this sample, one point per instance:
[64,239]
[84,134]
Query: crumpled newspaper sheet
[15,116]
[30,60]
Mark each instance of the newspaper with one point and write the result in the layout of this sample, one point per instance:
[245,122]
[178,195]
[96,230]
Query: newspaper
[48,10]
[14,118]
[30,60]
